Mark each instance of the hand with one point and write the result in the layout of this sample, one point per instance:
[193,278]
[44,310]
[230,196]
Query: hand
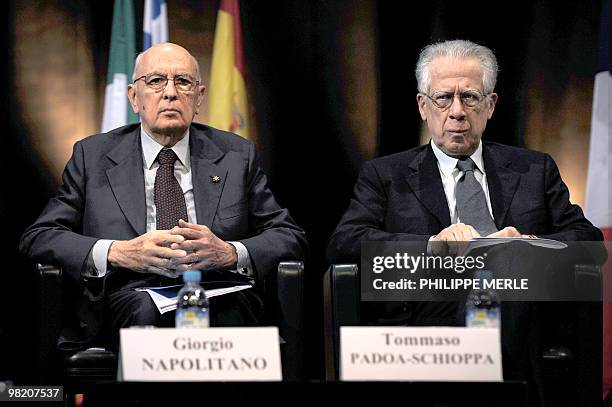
[508,231]
[206,250]
[453,240]
[148,253]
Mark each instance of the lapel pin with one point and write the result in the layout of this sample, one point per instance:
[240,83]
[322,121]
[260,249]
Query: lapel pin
[215,179]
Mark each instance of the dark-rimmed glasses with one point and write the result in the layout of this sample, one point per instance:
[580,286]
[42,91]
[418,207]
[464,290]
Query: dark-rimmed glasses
[469,98]
[158,82]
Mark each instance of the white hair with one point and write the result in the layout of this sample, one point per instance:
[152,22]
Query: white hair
[139,57]
[457,49]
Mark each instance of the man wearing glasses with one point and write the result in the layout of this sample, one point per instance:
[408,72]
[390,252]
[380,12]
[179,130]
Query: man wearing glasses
[143,203]
[456,188]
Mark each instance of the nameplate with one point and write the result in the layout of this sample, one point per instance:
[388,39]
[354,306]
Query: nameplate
[209,354]
[420,354]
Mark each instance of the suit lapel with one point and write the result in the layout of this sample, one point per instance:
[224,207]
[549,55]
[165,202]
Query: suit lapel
[502,181]
[126,179]
[208,178]
[424,179]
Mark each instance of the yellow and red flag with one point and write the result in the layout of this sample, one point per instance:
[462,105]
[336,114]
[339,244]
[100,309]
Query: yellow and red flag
[227,100]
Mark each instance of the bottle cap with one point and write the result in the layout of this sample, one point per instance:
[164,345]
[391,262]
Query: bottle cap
[192,276]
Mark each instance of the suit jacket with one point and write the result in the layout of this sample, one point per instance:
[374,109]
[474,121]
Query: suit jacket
[103,197]
[401,198]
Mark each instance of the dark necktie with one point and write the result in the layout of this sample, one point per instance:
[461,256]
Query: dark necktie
[168,195]
[472,206]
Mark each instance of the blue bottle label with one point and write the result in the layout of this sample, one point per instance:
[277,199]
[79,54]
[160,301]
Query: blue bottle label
[192,317]
[485,318]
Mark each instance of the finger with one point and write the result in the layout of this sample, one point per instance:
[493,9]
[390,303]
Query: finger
[188,233]
[466,233]
[499,233]
[182,267]
[457,239]
[192,266]
[202,265]
[195,226]
[515,232]
[157,262]
[473,232]
[168,253]
[167,238]
[190,258]
[191,245]
[460,234]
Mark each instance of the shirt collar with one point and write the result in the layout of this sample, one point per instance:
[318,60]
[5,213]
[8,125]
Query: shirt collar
[448,164]
[151,148]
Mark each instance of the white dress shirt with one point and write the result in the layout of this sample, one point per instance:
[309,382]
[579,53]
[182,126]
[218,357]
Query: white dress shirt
[450,174]
[182,172]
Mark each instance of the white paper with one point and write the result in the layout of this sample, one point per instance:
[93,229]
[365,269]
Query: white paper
[165,298]
[490,241]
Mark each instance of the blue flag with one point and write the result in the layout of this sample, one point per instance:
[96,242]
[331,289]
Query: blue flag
[155,24]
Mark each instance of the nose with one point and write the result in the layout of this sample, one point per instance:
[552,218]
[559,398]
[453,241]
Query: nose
[169,91]
[456,110]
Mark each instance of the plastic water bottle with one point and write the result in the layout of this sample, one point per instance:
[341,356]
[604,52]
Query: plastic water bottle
[192,304]
[482,308]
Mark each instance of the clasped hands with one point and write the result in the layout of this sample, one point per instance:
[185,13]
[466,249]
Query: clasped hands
[187,246]
[454,239]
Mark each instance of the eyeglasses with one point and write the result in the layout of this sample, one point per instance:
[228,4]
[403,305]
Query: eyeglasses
[157,82]
[469,98]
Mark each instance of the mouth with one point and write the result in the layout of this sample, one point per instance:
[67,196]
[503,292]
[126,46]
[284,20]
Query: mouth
[169,111]
[456,132]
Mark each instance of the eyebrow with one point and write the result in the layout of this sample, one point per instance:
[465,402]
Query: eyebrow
[165,74]
[460,90]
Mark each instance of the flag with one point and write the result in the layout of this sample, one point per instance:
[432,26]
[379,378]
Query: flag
[227,100]
[155,24]
[117,110]
[599,192]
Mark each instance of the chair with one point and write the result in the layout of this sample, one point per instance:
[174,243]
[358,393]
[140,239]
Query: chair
[341,302]
[341,296]
[283,295]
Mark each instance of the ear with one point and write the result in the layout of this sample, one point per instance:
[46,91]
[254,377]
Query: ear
[421,104]
[131,93]
[200,98]
[492,102]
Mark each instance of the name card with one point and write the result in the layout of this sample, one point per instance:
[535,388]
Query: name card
[209,354]
[420,354]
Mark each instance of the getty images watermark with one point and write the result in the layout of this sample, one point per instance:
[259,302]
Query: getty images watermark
[521,270]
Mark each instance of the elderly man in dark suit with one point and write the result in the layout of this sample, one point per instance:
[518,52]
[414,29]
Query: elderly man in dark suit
[458,187]
[143,203]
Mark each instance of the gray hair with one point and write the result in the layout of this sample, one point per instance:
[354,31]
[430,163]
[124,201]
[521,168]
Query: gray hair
[139,57]
[457,49]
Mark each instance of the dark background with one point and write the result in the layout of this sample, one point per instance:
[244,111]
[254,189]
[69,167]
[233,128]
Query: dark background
[309,152]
